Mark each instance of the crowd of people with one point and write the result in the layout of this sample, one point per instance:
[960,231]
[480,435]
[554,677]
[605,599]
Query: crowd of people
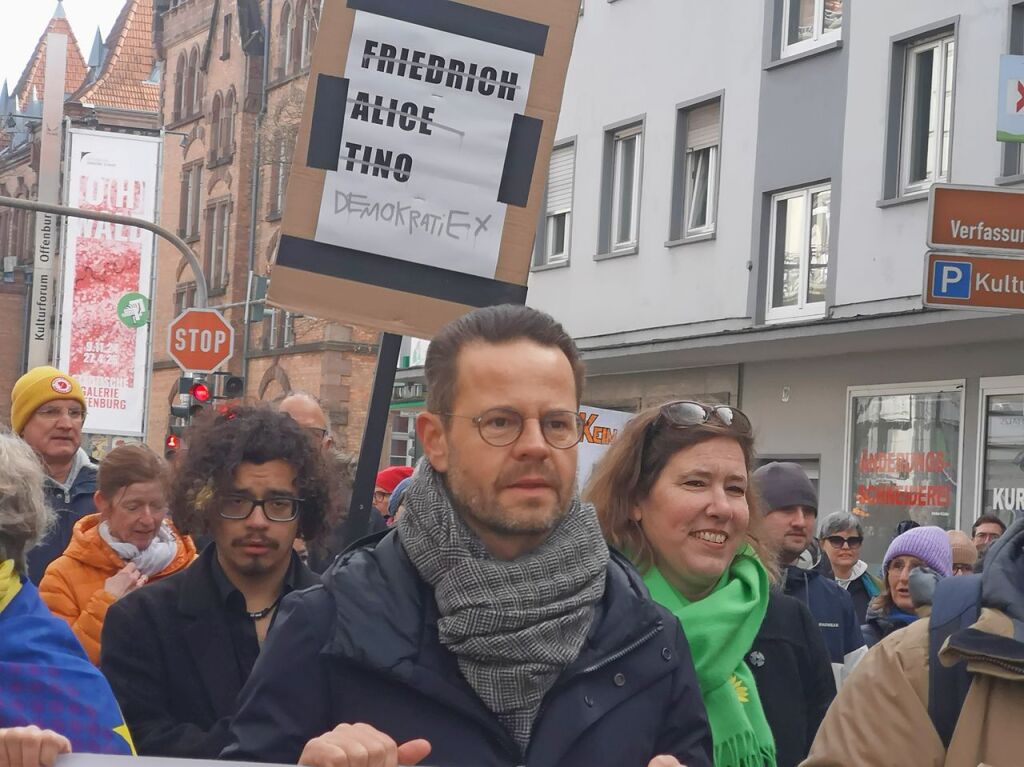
[686,608]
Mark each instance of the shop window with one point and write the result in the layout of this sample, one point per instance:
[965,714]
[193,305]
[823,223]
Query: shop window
[904,459]
[1001,471]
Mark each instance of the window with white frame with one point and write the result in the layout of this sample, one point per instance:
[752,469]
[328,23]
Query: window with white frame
[554,247]
[702,148]
[926,132]
[799,253]
[627,157]
[218,217]
[810,24]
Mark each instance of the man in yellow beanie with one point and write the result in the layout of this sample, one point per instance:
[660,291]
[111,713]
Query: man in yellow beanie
[47,411]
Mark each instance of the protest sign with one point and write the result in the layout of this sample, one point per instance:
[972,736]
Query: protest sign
[600,427]
[420,164]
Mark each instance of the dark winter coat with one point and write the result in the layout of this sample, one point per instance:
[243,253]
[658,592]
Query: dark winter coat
[68,507]
[167,651]
[794,677]
[880,623]
[364,647]
[832,609]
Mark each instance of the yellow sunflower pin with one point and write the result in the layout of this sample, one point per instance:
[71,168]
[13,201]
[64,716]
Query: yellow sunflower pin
[741,690]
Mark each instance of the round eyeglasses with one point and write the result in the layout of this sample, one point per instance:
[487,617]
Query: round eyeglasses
[500,427]
[279,509]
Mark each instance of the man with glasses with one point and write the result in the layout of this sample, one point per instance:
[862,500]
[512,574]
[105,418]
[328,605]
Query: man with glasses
[985,531]
[791,512]
[47,411]
[494,627]
[308,413]
[178,652]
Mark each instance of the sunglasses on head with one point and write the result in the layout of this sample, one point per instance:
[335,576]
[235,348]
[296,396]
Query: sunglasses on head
[689,413]
[853,542]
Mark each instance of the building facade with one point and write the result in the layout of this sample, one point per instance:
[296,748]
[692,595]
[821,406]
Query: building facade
[235,75]
[737,212]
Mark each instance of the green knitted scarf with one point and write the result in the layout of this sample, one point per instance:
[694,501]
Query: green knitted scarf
[720,629]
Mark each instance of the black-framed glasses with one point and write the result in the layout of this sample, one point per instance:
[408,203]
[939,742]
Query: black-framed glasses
[277,509]
[500,426]
[690,413]
[960,568]
[381,495]
[853,542]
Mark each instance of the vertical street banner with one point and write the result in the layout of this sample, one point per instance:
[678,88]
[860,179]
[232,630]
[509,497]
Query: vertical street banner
[420,165]
[46,224]
[1010,114]
[104,335]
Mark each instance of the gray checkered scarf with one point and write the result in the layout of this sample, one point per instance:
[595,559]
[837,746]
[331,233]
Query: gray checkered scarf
[514,626]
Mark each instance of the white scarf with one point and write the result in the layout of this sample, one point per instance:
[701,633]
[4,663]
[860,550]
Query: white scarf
[858,570]
[152,559]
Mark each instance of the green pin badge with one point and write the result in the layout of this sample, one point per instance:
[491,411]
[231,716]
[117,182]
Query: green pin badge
[133,310]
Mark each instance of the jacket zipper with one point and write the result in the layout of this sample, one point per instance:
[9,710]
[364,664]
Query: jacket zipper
[1005,665]
[625,650]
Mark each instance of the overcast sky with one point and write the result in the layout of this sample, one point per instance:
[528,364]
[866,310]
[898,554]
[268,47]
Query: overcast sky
[23,22]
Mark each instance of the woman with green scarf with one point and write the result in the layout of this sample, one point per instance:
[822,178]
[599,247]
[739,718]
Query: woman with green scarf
[674,493]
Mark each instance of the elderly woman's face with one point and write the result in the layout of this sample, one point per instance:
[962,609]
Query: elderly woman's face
[696,515]
[843,553]
[898,578]
[135,513]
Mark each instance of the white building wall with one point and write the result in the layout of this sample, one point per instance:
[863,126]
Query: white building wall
[881,249]
[642,57]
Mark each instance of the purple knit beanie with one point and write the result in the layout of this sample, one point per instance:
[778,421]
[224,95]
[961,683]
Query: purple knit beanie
[930,544]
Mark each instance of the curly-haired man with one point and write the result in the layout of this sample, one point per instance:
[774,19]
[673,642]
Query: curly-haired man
[178,654]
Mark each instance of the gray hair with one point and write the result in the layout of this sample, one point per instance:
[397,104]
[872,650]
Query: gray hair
[24,516]
[839,522]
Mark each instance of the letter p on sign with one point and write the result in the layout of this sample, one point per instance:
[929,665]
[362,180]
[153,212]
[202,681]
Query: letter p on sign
[951,279]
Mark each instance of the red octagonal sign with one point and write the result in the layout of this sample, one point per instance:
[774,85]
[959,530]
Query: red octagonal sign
[200,340]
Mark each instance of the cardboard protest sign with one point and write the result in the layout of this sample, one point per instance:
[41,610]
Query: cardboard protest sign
[600,428]
[421,160]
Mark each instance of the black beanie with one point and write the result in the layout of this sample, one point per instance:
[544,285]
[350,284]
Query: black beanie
[783,484]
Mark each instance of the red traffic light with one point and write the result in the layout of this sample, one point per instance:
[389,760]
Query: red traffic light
[200,392]
[173,442]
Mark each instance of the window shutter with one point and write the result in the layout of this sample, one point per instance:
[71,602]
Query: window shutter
[702,126]
[560,177]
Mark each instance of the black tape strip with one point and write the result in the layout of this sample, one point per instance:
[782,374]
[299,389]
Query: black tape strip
[520,158]
[464,20]
[329,109]
[385,272]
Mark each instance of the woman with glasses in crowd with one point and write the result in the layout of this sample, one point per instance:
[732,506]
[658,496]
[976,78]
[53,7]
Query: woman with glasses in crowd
[128,543]
[841,537]
[924,548]
[673,493]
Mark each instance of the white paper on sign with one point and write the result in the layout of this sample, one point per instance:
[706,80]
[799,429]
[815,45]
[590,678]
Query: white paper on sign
[425,187]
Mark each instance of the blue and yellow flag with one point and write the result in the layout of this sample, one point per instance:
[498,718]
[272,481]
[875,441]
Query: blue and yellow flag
[47,680]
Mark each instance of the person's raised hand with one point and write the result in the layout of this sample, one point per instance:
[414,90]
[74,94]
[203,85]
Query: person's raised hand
[360,745]
[124,581]
[31,747]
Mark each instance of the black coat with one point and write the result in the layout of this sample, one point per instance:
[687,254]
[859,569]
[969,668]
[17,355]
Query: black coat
[795,682]
[364,648]
[167,652]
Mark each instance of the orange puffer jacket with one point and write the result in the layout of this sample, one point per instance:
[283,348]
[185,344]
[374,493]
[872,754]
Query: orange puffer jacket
[73,584]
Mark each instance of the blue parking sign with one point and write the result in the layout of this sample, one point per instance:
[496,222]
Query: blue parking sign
[951,279]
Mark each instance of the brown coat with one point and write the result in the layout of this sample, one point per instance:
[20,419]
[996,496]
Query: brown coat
[880,716]
[73,586]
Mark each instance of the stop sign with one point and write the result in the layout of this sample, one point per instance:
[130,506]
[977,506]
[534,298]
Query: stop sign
[200,340]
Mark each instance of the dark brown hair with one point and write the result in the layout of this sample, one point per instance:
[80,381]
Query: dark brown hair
[219,442]
[633,464]
[128,465]
[990,519]
[491,325]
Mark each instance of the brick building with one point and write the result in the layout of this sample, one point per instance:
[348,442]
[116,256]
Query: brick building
[115,89]
[234,79]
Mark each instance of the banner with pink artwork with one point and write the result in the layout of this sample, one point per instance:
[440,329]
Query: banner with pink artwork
[107,270]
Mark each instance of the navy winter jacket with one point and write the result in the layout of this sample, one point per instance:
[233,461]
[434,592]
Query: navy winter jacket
[832,609]
[69,507]
[363,647]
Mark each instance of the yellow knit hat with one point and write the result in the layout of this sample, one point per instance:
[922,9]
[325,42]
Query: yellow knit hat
[37,387]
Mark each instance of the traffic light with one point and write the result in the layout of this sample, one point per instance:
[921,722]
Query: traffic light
[173,442]
[193,395]
[227,386]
